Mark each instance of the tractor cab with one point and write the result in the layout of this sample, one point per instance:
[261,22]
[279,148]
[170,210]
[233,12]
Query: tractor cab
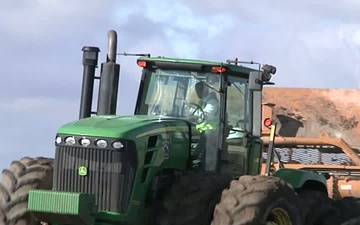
[215,100]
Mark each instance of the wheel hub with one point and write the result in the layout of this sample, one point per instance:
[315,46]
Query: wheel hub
[278,216]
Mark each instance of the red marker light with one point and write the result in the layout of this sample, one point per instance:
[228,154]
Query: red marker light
[141,63]
[267,122]
[217,69]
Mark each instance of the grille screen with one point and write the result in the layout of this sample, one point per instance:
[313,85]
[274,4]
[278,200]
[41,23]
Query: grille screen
[109,177]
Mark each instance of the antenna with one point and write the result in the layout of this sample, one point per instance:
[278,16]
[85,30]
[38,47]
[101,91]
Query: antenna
[134,54]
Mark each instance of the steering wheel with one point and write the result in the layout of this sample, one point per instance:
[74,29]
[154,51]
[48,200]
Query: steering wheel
[196,108]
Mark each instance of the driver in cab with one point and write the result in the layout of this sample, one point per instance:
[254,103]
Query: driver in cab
[209,104]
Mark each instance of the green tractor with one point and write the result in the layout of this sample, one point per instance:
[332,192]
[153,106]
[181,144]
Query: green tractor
[174,162]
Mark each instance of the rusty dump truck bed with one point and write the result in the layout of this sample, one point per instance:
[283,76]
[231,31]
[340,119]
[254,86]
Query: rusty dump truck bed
[308,112]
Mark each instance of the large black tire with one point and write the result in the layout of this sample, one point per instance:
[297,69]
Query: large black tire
[318,208]
[354,221]
[191,201]
[348,209]
[22,176]
[253,200]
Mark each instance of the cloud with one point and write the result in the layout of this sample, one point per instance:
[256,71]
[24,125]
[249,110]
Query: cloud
[318,55]
[41,20]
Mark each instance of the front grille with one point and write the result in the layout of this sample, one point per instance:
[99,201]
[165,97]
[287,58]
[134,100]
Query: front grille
[110,174]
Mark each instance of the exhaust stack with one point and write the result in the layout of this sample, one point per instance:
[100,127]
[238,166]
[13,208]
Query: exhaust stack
[90,62]
[109,79]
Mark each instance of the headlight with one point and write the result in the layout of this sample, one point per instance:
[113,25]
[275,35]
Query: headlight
[85,142]
[70,140]
[58,140]
[101,143]
[117,145]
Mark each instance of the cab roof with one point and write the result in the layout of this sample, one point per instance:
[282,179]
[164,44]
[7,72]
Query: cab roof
[230,67]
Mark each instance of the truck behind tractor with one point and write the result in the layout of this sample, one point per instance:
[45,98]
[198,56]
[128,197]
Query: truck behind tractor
[323,142]
[305,142]
[171,163]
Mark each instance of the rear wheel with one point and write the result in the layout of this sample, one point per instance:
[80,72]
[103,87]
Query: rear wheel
[355,221]
[348,209]
[258,200]
[191,201]
[318,208]
[22,176]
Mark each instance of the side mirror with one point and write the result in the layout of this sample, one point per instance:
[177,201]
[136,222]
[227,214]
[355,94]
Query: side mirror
[255,81]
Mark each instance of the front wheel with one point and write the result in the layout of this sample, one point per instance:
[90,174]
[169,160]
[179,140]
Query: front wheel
[258,200]
[23,175]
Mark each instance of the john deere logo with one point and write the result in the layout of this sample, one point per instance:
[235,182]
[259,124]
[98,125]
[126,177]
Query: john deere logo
[82,171]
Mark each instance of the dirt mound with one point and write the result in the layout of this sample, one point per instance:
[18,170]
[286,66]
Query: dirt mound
[306,112]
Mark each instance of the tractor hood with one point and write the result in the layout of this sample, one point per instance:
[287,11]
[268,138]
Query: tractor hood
[123,126]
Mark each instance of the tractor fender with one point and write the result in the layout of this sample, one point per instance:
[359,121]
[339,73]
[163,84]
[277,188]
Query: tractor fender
[302,179]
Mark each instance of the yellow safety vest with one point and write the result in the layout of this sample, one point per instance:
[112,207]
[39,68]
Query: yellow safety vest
[206,125]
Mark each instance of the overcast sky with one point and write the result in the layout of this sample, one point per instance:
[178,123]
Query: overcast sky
[312,43]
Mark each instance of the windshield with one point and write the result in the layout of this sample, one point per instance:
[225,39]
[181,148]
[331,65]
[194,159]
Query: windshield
[238,103]
[177,93]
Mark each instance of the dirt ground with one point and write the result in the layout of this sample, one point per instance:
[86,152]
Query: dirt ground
[306,112]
